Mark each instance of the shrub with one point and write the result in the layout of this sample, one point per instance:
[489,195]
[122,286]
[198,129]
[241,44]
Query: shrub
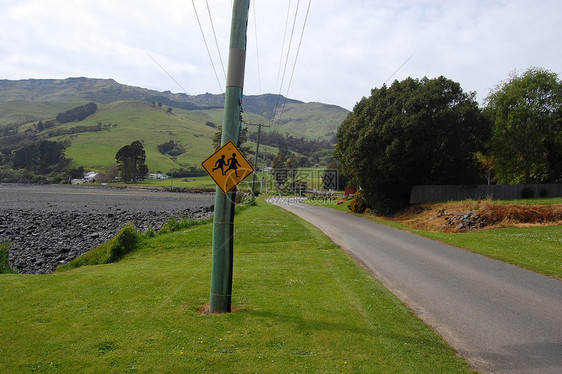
[357,204]
[113,250]
[5,259]
[245,197]
[170,226]
[149,233]
[125,241]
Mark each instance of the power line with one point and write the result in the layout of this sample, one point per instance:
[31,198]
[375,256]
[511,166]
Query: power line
[286,62]
[296,58]
[397,70]
[207,46]
[283,47]
[215,36]
[170,75]
[289,47]
[298,50]
[257,50]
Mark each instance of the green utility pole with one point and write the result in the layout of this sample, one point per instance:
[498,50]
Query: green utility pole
[223,221]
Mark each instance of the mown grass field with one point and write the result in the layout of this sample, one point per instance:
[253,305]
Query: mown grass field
[191,182]
[538,248]
[301,305]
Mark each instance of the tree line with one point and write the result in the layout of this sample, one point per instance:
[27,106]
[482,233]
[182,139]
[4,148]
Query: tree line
[287,143]
[77,114]
[429,131]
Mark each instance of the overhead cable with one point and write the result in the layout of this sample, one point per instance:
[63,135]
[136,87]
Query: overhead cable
[166,71]
[207,46]
[283,48]
[257,50]
[215,36]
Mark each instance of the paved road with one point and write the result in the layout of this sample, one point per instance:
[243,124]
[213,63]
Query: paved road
[500,318]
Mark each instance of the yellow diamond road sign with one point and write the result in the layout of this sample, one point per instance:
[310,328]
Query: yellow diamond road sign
[227,166]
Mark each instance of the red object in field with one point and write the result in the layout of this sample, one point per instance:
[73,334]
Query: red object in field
[349,191]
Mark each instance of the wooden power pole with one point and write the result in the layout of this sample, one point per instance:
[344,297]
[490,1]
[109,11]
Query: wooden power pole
[259,125]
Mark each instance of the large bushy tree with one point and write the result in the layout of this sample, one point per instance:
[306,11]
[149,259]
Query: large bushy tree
[130,162]
[42,156]
[413,132]
[526,111]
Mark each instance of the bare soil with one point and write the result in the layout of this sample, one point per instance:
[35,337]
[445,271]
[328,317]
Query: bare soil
[472,215]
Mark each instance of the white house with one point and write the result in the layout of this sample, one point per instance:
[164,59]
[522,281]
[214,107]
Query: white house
[90,177]
[157,176]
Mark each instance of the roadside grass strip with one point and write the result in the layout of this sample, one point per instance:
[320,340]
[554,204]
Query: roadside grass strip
[537,248]
[300,305]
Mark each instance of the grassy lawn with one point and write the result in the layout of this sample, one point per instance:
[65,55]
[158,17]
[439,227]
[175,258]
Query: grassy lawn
[300,304]
[191,182]
[538,248]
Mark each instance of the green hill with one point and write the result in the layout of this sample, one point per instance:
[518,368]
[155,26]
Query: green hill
[134,120]
[127,113]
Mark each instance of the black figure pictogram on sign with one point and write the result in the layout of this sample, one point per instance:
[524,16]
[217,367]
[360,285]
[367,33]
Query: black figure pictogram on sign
[228,167]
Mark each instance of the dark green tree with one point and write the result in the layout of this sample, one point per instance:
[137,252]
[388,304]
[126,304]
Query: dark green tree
[77,114]
[526,111]
[130,162]
[280,173]
[243,138]
[43,156]
[413,132]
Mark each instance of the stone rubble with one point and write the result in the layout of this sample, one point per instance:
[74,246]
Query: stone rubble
[466,221]
[42,240]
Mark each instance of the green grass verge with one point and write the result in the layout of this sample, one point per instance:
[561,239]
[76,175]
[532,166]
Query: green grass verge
[5,258]
[301,305]
[191,182]
[537,200]
[537,248]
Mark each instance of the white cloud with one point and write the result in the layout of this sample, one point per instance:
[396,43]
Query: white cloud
[349,47]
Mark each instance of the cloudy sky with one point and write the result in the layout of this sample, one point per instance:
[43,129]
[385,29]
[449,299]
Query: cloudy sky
[348,46]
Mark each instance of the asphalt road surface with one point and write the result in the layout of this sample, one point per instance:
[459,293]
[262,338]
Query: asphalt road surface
[500,318]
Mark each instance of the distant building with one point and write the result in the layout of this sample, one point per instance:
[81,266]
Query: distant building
[90,177]
[154,176]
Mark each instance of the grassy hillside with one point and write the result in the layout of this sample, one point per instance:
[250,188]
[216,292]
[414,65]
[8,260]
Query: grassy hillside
[70,89]
[21,111]
[133,120]
[313,120]
[125,116]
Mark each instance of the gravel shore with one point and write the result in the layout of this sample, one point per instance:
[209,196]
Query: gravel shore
[51,225]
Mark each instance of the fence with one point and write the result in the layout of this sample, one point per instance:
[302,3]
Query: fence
[432,194]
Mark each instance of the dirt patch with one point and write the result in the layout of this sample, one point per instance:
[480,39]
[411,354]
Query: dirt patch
[477,215]
[204,310]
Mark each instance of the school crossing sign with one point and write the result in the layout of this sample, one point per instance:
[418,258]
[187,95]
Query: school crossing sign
[228,167]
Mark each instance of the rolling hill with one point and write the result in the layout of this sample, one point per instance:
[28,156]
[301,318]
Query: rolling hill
[127,113]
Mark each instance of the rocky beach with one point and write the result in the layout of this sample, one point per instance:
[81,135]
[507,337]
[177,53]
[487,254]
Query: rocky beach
[51,225]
